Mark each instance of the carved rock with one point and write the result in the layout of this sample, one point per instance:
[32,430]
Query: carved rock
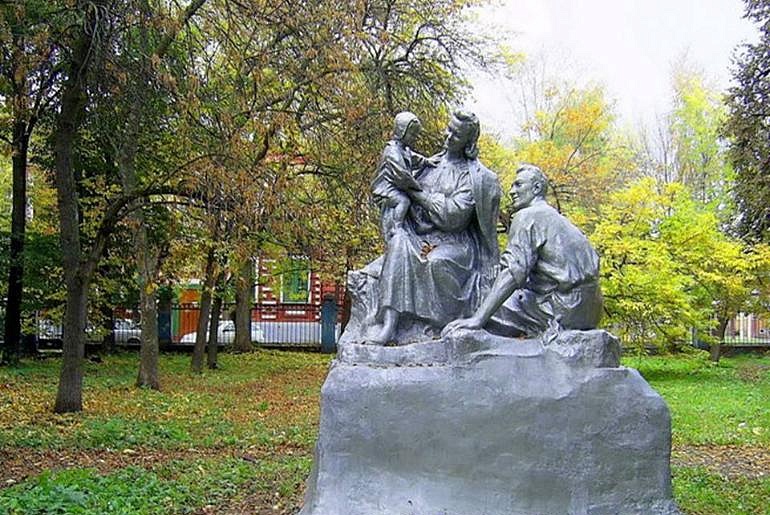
[483,425]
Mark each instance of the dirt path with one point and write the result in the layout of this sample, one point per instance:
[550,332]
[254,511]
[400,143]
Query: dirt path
[729,461]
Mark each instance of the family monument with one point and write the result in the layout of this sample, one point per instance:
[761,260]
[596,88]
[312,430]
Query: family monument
[474,382]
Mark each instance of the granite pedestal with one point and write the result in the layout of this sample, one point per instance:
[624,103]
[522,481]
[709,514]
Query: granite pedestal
[475,424]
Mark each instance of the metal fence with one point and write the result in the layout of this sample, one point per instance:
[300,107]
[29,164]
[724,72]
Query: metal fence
[758,341]
[278,325]
[288,326]
[123,329]
[274,325]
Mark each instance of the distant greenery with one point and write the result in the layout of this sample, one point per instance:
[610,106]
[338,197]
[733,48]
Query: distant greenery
[245,433]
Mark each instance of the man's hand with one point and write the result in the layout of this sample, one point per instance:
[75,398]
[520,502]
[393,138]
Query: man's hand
[462,323]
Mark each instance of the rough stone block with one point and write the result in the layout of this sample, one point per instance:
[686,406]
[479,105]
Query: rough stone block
[483,425]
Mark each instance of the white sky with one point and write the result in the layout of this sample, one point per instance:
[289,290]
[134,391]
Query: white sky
[629,46]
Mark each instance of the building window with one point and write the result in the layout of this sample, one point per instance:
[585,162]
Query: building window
[295,281]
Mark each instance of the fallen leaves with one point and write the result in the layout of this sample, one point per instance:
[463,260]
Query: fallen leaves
[259,405]
[729,461]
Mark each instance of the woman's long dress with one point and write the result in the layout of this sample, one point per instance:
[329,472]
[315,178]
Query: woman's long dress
[430,268]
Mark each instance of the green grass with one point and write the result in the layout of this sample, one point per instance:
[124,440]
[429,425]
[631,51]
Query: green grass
[700,492]
[244,433]
[218,408]
[715,404]
[263,406]
[177,487]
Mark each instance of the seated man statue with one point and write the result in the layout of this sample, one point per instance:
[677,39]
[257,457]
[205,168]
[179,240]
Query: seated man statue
[549,273]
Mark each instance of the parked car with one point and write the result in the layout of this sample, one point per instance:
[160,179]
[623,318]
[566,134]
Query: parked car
[127,331]
[48,330]
[226,334]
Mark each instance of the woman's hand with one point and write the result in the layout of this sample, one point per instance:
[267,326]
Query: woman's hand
[404,182]
[434,160]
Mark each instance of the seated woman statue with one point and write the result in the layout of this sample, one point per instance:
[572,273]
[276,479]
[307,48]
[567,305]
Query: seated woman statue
[438,265]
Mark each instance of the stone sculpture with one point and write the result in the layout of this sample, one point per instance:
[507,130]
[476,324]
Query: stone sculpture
[549,272]
[472,422]
[440,261]
[398,160]
[478,424]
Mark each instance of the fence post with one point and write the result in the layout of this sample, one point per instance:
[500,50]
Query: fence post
[328,325]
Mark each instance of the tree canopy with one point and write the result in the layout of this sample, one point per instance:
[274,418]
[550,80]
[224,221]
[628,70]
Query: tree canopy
[748,126]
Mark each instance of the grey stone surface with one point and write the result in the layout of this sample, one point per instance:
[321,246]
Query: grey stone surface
[476,424]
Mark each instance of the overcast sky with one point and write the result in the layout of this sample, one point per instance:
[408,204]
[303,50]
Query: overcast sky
[628,46]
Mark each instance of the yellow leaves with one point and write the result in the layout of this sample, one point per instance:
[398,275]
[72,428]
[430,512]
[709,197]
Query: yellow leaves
[510,57]
[666,263]
[572,139]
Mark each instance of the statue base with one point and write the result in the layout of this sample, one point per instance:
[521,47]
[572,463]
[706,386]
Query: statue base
[476,424]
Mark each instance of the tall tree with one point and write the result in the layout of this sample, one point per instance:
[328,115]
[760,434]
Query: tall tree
[84,59]
[667,267]
[295,101]
[266,82]
[569,131]
[696,124]
[748,126]
[29,77]
[686,144]
[135,105]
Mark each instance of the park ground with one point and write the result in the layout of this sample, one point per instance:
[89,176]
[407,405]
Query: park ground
[240,439]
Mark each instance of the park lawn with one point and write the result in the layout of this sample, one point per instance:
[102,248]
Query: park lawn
[720,430]
[239,439]
[242,433]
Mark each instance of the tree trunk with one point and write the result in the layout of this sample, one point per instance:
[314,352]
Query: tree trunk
[216,313]
[243,286]
[16,255]
[69,397]
[716,348]
[205,309]
[108,325]
[147,258]
[70,393]
[78,271]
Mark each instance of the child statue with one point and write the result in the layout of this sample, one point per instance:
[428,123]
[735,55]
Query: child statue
[398,158]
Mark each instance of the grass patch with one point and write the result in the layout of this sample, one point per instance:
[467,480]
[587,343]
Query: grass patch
[700,492]
[239,439]
[177,487]
[712,404]
[267,397]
